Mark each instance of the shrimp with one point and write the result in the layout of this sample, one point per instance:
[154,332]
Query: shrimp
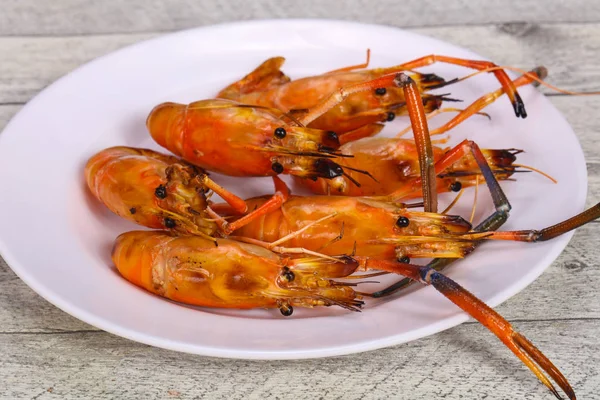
[394,168]
[362,113]
[239,140]
[192,270]
[162,192]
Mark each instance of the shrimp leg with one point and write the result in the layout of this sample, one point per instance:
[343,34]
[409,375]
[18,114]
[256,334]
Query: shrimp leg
[532,235]
[500,74]
[533,358]
[282,193]
[486,100]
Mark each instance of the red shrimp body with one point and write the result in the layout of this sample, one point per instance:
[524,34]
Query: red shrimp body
[238,140]
[195,271]
[357,111]
[368,228]
[394,168]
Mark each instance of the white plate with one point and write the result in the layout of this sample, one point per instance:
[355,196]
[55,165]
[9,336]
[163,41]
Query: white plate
[58,239]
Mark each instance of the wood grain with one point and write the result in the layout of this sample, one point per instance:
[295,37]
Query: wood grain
[67,17]
[462,363]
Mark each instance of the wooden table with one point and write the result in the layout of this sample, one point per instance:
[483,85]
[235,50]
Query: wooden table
[48,354]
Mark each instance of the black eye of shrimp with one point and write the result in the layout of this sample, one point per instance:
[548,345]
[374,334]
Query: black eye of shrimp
[277,168]
[280,133]
[160,192]
[288,275]
[404,259]
[456,186]
[286,310]
[402,222]
[170,223]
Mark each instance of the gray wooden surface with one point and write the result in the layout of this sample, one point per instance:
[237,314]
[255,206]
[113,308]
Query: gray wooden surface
[46,354]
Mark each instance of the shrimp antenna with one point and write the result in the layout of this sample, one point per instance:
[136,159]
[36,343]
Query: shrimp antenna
[474,198]
[354,284]
[536,170]
[371,275]
[458,196]
[360,171]
[351,179]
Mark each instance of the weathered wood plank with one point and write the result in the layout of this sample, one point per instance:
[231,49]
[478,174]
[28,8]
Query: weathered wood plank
[30,17]
[30,64]
[465,362]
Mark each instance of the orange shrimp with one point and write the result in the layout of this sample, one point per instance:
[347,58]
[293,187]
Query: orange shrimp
[383,230]
[363,113]
[393,163]
[163,192]
[194,271]
[239,140]
[394,168]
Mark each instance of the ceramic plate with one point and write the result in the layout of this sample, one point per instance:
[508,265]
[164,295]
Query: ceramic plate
[58,239]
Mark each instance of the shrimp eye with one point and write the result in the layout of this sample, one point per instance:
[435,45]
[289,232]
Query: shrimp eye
[280,133]
[404,259]
[456,186]
[286,310]
[402,222]
[288,275]
[132,210]
[278,168]
[160,191]
[380,91]
[390,116]
[332,135]
[328,169]
[170,223]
